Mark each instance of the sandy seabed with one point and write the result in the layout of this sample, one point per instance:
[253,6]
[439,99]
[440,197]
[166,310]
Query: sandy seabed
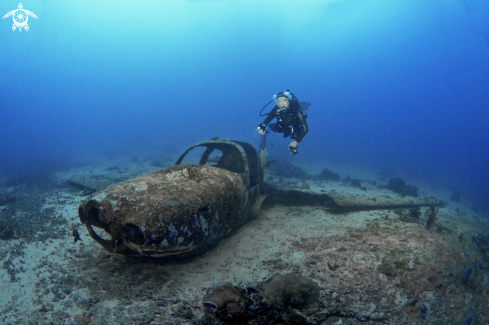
[371,267]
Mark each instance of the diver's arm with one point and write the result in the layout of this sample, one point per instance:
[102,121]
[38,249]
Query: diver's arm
[263,125]
[304,129]
[270,116]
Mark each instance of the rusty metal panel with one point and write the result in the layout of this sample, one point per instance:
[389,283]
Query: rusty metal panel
[178,211]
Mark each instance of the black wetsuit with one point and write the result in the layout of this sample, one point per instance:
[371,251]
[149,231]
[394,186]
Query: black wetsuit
[290,121]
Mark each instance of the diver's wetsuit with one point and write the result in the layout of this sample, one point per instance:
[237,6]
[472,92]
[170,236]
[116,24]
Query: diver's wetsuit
[290,121]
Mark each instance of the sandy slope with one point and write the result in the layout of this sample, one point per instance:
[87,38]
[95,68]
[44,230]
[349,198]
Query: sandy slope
[369,265]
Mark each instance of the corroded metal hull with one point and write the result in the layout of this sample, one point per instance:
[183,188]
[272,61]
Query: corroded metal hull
[179,211]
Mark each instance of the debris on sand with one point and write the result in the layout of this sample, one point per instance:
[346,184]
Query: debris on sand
[399,186]
[283,296]
[432,211]
[6,230]
[328,175]
[305,186]
[284,168]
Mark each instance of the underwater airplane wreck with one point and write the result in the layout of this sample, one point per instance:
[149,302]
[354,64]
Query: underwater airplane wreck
[186,209]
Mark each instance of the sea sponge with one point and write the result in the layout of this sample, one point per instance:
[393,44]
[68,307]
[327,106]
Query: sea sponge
[298,291]
[224,299]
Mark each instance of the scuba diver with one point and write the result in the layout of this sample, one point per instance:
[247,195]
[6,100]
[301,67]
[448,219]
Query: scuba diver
[291,119]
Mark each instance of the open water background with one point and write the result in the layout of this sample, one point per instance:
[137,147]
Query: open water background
[396,85]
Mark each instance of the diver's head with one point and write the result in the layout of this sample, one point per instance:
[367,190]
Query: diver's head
[282,99]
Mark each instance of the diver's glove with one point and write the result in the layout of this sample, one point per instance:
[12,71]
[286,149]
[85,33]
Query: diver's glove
[293,148]
[261,128]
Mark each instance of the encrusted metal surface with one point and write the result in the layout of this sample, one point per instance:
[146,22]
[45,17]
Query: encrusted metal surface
[178,211]
[175,211]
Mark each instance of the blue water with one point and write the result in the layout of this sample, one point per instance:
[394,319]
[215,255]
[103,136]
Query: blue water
[399,85]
